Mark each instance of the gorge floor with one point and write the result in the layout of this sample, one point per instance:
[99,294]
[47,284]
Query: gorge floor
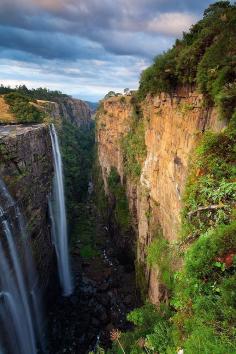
[105,291]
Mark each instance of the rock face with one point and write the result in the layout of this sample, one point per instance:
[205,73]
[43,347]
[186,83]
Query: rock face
[173,126]
[71,109]
[114,122]
[27,169]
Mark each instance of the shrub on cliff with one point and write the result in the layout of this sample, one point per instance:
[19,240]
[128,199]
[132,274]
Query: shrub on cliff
[23,109]
[204,57]
[211,188]
[34,94]
[122,214]
[134,149]
[161,255]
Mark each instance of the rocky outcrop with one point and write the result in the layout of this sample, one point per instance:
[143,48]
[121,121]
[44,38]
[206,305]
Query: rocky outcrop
[71,109]
[114,122]
[173,126]
[27,169]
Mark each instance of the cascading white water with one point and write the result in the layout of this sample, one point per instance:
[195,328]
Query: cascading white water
[58,217]
[20,282]
[20,330]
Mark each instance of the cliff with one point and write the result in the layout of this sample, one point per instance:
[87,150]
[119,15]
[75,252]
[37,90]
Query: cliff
[71,109]
[74,110]
[27,169]
[172,128]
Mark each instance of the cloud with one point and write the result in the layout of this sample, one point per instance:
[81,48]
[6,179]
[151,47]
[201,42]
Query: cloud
[97,20]
[88,45]
[86,16]
[88,79]
[48,45]
[177,23]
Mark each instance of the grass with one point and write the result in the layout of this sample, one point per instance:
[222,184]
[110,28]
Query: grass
[6,116]
[23,108]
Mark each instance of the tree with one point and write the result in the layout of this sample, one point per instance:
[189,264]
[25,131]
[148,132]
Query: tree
[110,94]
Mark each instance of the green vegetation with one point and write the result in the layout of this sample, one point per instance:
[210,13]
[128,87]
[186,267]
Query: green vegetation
[121,209]
[83,230]
[211,188]
[34,94]
[112,94]
[205,58]
[109,94]
[23,109]
[184,108]
[151,333]
[205,294]
[160,254]
[134,148]
[77,152]
[205,290]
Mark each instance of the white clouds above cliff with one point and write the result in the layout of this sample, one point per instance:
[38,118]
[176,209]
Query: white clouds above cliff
[177,23]
[87,47]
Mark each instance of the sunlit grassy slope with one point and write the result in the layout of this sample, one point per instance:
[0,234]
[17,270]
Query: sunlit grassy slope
[5,115]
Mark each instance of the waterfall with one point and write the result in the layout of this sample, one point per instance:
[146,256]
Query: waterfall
[20,313]
[58,217]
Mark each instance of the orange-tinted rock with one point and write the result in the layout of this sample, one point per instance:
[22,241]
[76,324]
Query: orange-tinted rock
[173,126]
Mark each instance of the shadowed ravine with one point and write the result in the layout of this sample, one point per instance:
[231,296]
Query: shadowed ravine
[104,288]
[105,291]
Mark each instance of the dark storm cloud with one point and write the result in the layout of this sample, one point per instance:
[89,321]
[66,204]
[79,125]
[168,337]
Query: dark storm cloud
[48,45]
[55,45]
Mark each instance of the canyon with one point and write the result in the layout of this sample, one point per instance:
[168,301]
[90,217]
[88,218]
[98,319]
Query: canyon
[74,110]
[112,227]
[118,217]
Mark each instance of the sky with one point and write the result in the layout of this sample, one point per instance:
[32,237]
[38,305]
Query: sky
[86,48]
